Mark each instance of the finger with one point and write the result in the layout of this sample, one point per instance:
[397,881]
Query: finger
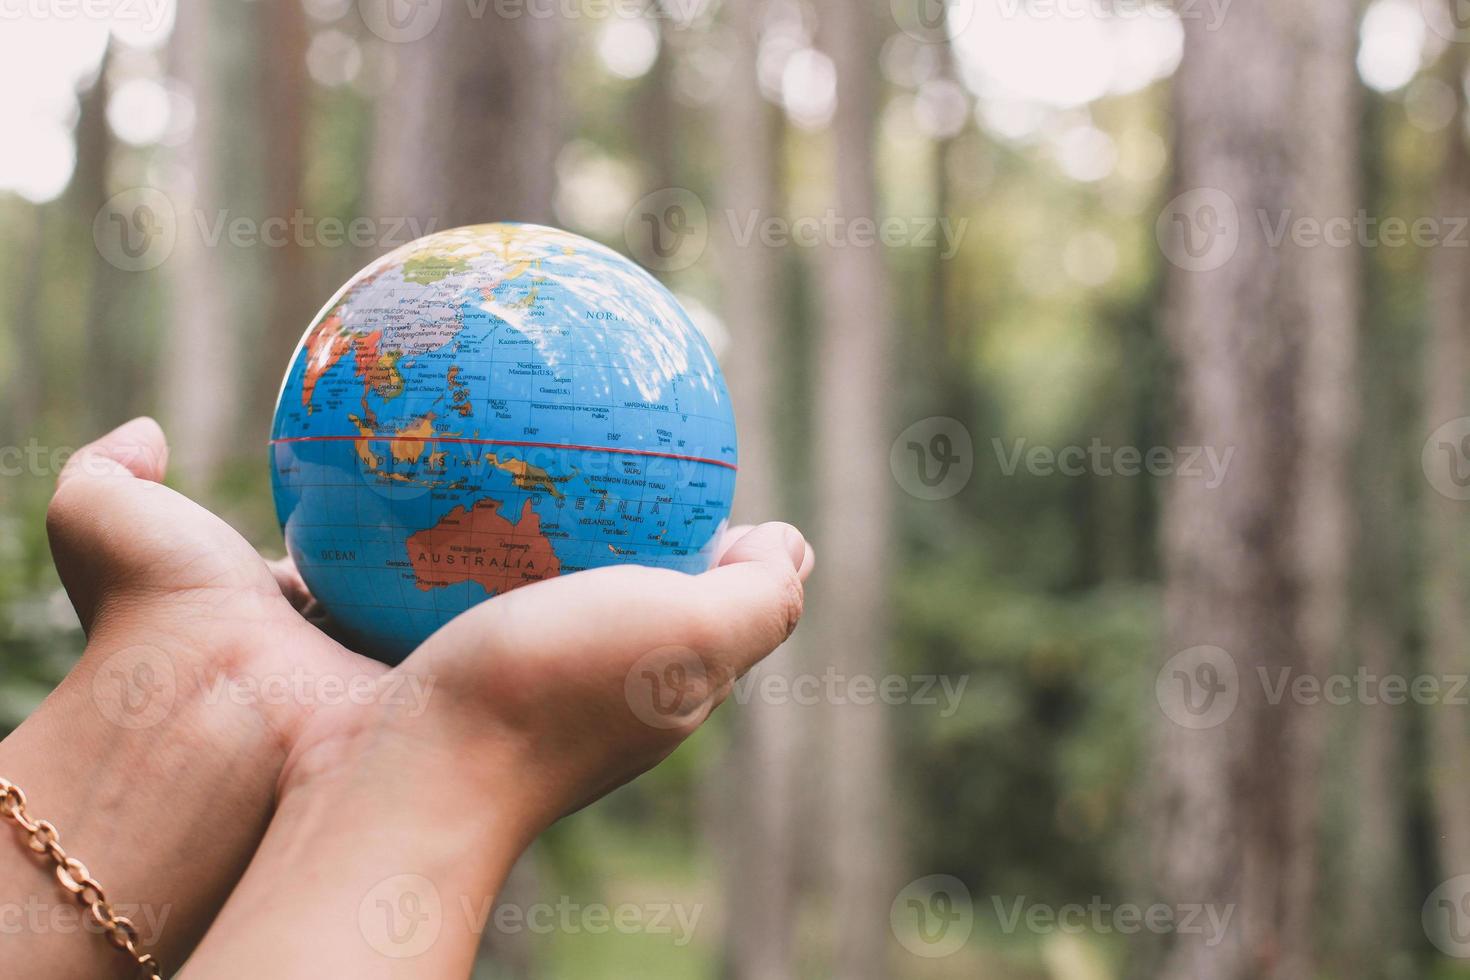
[756,593]
[115,529]
[733,615]
[135,449]
[739,546]
[292,585]
[729,538]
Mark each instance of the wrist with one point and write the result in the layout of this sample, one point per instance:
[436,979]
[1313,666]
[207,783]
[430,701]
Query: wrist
[161,791]
[388,846]
[201,674]
[466,775]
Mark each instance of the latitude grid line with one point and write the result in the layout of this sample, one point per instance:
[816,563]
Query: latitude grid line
[492,361]
[569,527]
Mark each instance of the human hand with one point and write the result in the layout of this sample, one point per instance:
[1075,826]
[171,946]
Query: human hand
[538,705]
[575,685]
[158,756]
[143,563]
[542,701]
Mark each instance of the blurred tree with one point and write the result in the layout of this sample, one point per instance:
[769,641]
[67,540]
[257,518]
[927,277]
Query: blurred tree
[202,377]
[284,106]
[469,128]
[1265,345]
[1445,397]
[22,392]
[949,339]
[757,780]
[107,338]
[1325,312]
[849,606]
[1368,778]
[653,109]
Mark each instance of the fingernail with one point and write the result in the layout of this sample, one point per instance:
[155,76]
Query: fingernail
[795,547]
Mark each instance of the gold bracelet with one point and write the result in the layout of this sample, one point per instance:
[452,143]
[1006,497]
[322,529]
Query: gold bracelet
[73,876]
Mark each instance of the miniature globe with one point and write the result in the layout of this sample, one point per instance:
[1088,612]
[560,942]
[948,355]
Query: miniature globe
[486,408]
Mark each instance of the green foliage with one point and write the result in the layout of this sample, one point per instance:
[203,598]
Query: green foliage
[39,635]
[1029,788]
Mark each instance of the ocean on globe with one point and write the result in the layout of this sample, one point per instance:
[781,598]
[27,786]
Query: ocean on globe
[489,407]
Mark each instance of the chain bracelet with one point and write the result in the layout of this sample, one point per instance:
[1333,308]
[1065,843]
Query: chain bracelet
[72,875]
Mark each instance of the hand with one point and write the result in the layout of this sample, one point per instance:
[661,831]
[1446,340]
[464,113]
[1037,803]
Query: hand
[575,685]
[143,562]
[536,706]
[542,700]
[156,758]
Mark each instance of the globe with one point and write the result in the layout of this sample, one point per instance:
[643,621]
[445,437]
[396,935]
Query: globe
[489,407]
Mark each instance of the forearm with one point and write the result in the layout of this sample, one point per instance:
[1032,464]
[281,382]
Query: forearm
[383,861]
[162,796]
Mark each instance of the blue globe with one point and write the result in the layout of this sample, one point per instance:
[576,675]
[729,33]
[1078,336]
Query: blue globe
[489,407]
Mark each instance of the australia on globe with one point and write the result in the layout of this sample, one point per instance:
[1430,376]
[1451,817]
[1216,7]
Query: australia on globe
[489,407]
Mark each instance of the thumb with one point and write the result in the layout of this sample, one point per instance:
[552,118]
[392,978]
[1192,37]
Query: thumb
[757,593]
[733,615]
[768,542]
[134,449]
[93,519]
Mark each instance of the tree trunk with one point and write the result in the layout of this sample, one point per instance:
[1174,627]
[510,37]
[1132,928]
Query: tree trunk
[22,407]
[1265,345]
[653,115]
[201,360]
[106,356]
[1448,360]
[1375,868]
[469,131]
[849,608]
[1372,784]
[285,96]
[1329,281]
[758,782]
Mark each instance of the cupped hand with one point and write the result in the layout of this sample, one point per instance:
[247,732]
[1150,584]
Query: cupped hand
[563,689]
[570,687]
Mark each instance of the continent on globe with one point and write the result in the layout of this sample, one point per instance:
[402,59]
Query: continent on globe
[490,407]
[479,545]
